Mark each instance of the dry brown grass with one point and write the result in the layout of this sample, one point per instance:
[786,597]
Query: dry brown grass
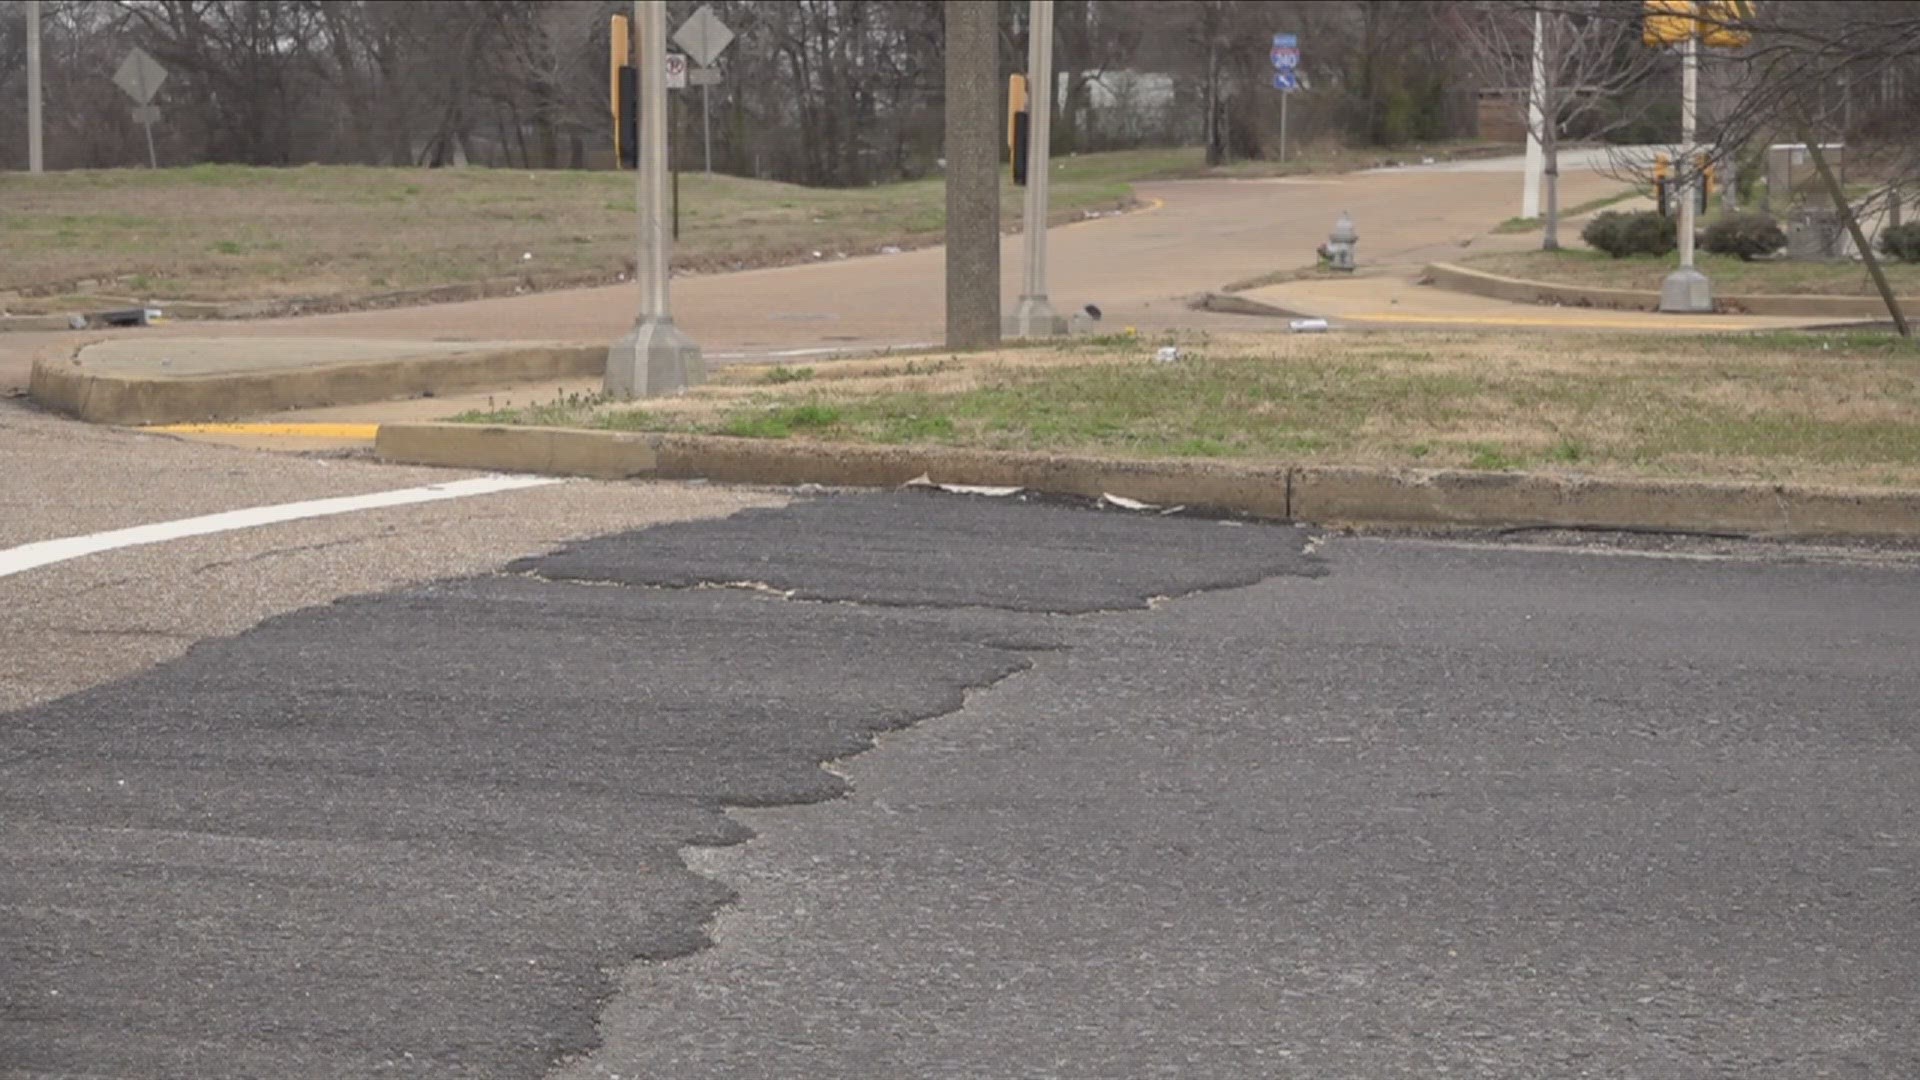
[227,232]
[343,236]
[1815,408]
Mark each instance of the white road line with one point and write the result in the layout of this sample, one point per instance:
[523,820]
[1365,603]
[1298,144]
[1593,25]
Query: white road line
[46,552]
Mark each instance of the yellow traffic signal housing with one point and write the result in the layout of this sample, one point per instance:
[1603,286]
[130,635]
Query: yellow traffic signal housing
[1668,22]
[1017,120]
[623,95]
[1720,24]
[1723,24]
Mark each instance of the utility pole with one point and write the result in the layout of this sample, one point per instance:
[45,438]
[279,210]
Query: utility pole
[973,173]
[1035,317]
[36,152]
[1216,154]
[654,357]
[1536,123]
[1687,289]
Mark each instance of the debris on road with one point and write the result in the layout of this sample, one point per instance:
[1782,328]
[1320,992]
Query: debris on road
[988,490]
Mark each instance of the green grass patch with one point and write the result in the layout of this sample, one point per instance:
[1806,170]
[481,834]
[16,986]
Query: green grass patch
[1534,224]
[780,374]
[1730,276]
[778,422]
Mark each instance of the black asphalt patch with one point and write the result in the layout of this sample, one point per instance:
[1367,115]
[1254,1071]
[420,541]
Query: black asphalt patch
[413,834]
[938,550]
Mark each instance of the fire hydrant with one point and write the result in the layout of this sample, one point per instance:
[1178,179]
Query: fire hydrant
[1340,244]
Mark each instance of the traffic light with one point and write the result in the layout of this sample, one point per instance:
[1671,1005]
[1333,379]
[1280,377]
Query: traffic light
[1017,120]
[624,95]
[1668,22]
[1720,24]
[1723,24]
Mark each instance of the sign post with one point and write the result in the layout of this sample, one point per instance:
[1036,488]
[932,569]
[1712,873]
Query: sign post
[140,76]
[36,158]
[1286,78]
[704,37]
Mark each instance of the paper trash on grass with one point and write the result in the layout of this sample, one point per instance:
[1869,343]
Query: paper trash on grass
[925,481]
[1308,326]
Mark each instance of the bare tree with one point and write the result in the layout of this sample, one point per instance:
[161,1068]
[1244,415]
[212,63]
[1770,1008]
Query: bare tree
[1812,72]
[1591,60]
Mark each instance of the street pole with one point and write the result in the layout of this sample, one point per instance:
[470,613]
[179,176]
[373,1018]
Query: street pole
[1035,317]
[706,124]
[973,141]
[1284,95]
[1536,123]
[1687,289]
[36,154]
[654,357]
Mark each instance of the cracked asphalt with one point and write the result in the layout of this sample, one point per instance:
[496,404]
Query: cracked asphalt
[1146,796]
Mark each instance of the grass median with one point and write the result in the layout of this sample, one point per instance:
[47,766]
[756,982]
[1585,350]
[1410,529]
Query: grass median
[229,232]
[1730,276]
[1840,408]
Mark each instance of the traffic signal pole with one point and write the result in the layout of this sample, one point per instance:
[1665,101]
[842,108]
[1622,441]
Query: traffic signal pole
[1035,317]
[1687,289]
[654,357]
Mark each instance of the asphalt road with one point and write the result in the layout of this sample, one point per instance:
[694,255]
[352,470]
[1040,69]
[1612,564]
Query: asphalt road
[1151,796]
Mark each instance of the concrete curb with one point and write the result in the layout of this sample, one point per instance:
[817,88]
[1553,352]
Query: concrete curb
[117,398]
[1234,304]
[1520,290]
[34,323]
[1324,495]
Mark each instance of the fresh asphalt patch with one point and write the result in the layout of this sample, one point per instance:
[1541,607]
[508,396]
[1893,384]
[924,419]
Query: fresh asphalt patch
[937,550]
[416,834]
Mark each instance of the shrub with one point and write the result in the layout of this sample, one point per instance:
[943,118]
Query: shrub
[1648,233]
[1745,236]
[1621,235]
[1902,241]
[1602,232]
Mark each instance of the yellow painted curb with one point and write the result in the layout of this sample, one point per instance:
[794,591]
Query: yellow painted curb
[359,432]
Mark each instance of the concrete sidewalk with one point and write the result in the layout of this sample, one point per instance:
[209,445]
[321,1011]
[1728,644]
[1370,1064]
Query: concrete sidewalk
[1139,268]
[1398,300]
[368,367]
[175,379]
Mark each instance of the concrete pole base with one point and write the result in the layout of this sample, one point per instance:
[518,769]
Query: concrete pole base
[1686,290]
[654,358]
[1034,318]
